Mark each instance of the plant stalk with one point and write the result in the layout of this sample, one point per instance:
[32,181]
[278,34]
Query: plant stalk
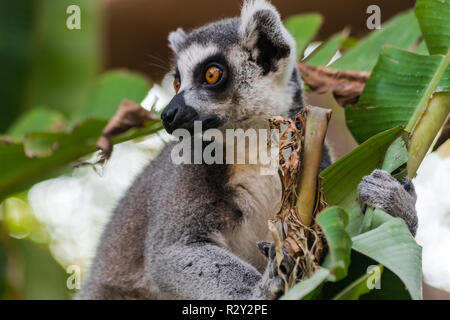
[315,131]
[426,130]
[422,108]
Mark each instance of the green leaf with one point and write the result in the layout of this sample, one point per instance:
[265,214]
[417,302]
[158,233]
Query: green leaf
[349,43]
[43,153]
[303,288]
[392,245]
[434,21]
[444,84]
[341,179]
[402,31]
[53,151]
[333,221]
[360,286]
[396,155]
[110,90]
[426,130]
[18,217]
[37,119]
[42,144]
[322,55]
[18,171]
[422,48]
[390,286]
[396,93]
[303,28]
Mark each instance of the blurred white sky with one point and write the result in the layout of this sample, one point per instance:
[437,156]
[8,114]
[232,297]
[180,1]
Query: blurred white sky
[433,206]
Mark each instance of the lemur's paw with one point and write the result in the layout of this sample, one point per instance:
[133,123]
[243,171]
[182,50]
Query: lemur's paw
[381,190]
[275,285]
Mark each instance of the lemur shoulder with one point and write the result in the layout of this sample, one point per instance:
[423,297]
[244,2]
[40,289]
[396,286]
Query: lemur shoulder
[200,231]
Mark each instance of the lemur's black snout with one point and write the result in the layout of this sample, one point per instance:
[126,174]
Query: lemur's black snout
[178,115]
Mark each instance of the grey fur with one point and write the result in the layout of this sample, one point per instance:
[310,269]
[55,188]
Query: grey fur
[177,39]
[161,244]
[381,190]
[191,231]
[222,33]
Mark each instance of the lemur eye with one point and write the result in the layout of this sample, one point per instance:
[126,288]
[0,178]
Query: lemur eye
[176,84]
[213,75]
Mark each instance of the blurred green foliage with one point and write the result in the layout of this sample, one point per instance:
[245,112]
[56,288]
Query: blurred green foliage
[16,52]
[54,107]
[28,271]
[37,119]
[43,62]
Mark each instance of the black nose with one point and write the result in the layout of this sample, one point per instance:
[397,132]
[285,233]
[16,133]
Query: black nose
[169,115]
[178,115]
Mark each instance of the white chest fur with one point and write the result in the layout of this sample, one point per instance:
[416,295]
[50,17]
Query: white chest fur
[259,198]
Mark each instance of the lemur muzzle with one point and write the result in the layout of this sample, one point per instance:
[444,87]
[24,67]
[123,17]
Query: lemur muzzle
[178,115]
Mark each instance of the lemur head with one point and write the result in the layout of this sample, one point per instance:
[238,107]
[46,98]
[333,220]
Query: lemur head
[234,73]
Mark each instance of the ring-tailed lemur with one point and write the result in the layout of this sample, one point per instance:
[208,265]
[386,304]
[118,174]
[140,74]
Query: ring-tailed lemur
[191,231]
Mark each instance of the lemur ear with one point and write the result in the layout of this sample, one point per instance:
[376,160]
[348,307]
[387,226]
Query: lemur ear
[176,39]
[264,35]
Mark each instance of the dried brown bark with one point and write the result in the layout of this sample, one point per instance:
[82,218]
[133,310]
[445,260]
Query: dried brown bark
[302,196]
[129,115]
[346,85]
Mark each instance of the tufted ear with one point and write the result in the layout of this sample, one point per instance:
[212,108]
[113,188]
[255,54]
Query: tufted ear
[264,35]
[176,39]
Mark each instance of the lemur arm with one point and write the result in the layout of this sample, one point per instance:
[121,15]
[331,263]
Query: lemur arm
[382,190]
[206,271]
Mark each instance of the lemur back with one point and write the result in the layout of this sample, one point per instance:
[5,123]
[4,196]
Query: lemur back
[190,231]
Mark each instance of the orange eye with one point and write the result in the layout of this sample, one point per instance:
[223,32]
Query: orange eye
[176,84]
[213,75]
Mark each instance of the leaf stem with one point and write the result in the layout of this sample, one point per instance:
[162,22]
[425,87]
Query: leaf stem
[422,108]
[426,130]
[315,131]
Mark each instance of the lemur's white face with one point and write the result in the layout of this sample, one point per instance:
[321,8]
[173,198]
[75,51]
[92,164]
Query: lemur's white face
[235,73]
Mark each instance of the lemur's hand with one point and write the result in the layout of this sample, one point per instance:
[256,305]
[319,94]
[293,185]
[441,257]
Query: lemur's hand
[381,190]
[272,282]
